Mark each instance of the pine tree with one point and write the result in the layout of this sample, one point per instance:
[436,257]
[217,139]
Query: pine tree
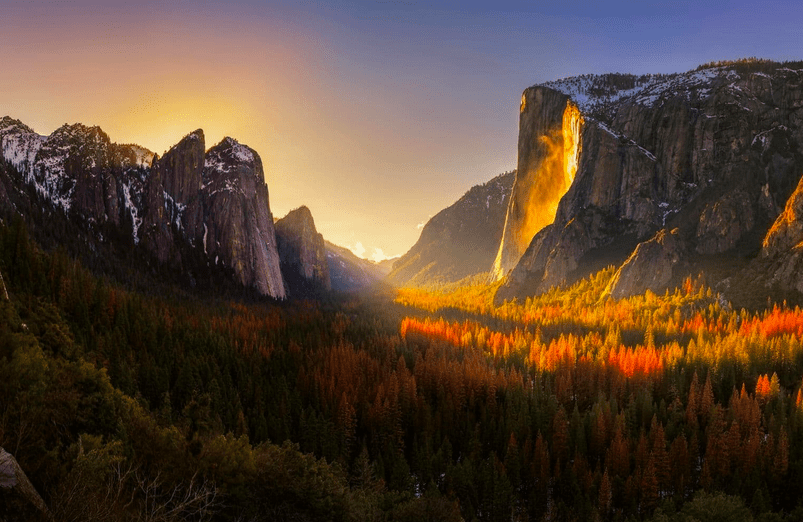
[605,494]
[693,404]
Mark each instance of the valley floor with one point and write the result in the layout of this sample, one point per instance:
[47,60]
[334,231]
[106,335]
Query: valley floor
[394,405]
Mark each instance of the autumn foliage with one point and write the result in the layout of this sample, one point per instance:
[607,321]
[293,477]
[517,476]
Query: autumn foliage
[418,405]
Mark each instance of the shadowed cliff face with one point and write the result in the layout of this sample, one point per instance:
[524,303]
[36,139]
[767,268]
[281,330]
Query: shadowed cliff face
[238,225]
[714,153]
[172,198]
[189,210]
[550,127]
[302,252]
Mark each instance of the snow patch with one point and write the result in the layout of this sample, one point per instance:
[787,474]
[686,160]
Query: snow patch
[176,210]
[228,155]
[616,135]
[242,153]
[132,209]
[591,92]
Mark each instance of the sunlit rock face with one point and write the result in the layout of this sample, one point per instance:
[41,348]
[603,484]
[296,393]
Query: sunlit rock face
[783,246]
[302,252]
[715,153]
[460,241]
[550,127]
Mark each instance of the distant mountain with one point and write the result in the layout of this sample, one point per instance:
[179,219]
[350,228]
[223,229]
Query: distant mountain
[461,240]
[302,253]
[386,265]
[350,273]
[192,212]
[662,175]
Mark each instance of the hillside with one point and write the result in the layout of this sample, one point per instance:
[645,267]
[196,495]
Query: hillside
[459,241]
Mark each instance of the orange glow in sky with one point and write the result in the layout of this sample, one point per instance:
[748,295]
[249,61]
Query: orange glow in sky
[368,167]
[374,114]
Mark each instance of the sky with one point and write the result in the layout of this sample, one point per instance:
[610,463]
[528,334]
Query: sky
[374,114]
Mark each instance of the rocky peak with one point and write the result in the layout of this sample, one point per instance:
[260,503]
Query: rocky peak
[19,145]
[9,125]
[185,162]
[172,203]
[302,251]
[231,166]
[228,155]
[239,230]
[136,156]
[80,134]
[185,208]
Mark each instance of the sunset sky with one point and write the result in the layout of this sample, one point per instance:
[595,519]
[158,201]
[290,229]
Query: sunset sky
[376,115]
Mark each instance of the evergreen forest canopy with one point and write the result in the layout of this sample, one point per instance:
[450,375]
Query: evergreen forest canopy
[409,404]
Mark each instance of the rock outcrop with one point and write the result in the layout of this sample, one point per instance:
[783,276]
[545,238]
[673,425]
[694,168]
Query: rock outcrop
[17,491]
[782,249]
[550,126]
[173,206]
[238,228]
[76,168]
[714,153]
[461,240]
[302,252]
[188,207]
[651,266]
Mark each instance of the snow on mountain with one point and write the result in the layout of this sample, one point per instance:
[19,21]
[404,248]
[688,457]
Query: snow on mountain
[228,155]
[592,92]
[20,144]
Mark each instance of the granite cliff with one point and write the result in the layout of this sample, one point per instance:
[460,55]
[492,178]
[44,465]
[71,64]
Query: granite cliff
[714,153]
[188,208]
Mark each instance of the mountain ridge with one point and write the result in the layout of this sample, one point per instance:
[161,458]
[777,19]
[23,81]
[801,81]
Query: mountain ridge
[713,152]
[460,240]
[187,207]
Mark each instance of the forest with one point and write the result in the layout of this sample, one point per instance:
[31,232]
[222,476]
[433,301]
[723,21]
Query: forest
[394,404]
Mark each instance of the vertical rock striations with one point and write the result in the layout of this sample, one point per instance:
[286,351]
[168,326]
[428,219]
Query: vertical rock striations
[783,246]
[190,205]
[714,153]
[172,208]
[238,224]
